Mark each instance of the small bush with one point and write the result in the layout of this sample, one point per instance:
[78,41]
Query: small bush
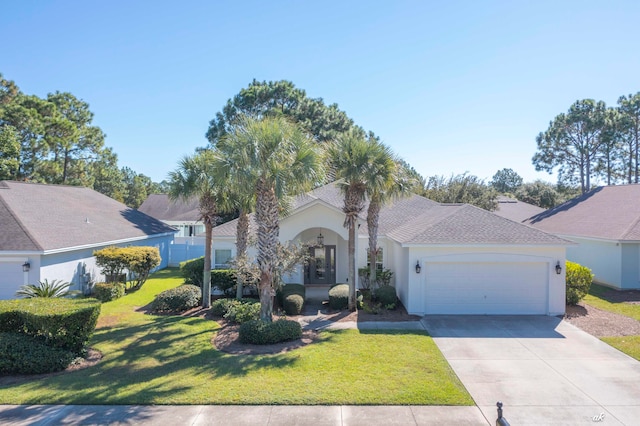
[290,289]
[578,281]
[220,307]
[224,279]
[177,299]
[62,323]
[192,271]
[266,333]
[24,354]
[241,311]
[339,296]
[55,288]
[293,304]
[386,295]
[106,292]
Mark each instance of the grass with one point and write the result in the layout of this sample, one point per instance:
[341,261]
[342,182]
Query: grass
[627,344]
[152,359]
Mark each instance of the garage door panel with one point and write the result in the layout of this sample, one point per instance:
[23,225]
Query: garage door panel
[486,288]
[11,278]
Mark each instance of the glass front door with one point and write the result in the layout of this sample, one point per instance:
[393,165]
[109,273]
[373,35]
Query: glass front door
[322,265]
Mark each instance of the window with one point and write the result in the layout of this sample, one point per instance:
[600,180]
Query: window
[221,259]
[378,260]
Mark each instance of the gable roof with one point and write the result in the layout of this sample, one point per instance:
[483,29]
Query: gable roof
[416,220]
[516,210]
[608,212]
[39,217]
[162,207]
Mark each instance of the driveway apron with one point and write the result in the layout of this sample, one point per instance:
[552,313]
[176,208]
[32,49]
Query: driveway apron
[543,369]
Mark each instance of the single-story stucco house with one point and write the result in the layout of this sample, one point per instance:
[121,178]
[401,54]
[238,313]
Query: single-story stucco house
[446,258]
[181,214]
[605,224]
[50,232]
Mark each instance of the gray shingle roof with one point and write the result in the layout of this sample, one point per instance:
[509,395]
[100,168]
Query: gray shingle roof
[609,212]
[48,217]
[516,210]
[418,220]
[163,208]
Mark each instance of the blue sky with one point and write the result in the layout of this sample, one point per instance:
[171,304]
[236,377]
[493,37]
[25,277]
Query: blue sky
[452,87]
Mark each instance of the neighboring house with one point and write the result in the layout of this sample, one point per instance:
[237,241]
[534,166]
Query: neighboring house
[50,232]
[605,222]
[446,258]
[181,214]
[515,210]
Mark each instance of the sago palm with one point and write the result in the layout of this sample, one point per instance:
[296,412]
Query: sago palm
[196,176]
[274,160]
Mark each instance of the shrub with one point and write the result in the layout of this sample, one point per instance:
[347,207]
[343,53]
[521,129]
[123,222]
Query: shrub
[386,295]
[55,288]
[139,260]
[578,281]
[23,354]
[339,296]
[220,307]
[177,299]
[192,271]
[224,279]
[106,292]
[293,304]
[241,311]
[62,323]
[259,332]
[290,289]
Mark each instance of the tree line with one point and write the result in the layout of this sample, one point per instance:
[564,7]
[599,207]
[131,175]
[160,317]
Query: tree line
[53,140]
[593,142]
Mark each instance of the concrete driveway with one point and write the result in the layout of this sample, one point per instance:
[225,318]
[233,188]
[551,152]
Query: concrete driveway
[543,369]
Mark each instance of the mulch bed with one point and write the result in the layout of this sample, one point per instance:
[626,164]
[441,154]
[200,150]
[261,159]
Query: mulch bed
[601,323]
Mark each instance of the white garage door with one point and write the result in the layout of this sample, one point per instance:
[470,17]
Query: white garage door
[486,288]
[11,278]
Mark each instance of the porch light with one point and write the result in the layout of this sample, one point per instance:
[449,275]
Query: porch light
[320,239]
[418,267]
[558,268]
[26,266]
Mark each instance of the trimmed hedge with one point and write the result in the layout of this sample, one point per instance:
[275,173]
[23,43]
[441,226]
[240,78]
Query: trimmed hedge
[224,279]
[24,354]
[106,292]
[235,310]
[291,298]
[386,295]
[192,271]
[177,299]
[266,333]
[578,281]
[62,323]
[339,296]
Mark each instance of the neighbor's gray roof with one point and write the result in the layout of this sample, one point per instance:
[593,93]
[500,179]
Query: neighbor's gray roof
[162,207]
[516,210]
[418,220]
[609,212]
[36,217]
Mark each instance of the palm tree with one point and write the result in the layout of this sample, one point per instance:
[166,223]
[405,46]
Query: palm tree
[359,165]
[392,182]
[196,176]
[272,159]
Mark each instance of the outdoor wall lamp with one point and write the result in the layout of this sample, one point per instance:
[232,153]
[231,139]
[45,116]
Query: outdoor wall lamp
[558,268]
[26,266]
[418,267]
[320,239]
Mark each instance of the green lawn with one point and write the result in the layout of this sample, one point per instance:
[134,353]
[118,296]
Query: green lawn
[627,344]
[170,360]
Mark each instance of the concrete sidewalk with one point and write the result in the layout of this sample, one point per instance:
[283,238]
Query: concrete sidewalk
[239,415]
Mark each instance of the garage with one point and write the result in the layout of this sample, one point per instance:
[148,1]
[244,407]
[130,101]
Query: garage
[12,278]
[493,288]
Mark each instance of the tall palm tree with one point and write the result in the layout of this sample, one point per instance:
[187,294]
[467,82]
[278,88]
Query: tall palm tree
[272,159]
[359,164]
[196,176]
[393,182]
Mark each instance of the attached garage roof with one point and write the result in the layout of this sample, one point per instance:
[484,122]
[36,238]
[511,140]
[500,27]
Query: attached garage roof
[37,217]
[609,212]
[416,220]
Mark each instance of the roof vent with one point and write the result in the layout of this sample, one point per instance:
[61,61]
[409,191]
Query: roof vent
[86,220]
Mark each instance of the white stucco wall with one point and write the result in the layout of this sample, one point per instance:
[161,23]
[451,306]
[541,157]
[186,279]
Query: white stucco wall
[416,285]
[601,256]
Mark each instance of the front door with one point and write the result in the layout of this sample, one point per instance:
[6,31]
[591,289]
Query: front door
[322,265]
